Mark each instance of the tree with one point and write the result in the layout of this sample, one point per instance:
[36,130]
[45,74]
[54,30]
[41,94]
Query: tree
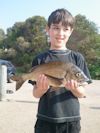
[86,40]
[2,36]
[83,38]
[27,39]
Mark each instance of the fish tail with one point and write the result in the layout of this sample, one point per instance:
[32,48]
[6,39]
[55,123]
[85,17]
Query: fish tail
[19,81]
[19,84]
[15,78]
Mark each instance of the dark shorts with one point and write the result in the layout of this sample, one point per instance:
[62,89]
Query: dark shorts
[47,127]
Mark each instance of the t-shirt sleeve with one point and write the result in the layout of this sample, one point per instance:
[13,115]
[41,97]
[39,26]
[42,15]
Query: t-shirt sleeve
[35,62]
[81,63]
[39,59]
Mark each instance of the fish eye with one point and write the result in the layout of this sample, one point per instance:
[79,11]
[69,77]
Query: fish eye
[78,74]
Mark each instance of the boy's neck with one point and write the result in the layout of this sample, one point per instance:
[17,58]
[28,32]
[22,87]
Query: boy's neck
[58,48]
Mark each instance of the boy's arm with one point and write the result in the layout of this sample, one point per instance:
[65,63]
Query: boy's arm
[41,86]
[78,91]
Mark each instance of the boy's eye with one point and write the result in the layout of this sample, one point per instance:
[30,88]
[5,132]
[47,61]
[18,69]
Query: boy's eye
[55,27]
[59,28]
[66,29]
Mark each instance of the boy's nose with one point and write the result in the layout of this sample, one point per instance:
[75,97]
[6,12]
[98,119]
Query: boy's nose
[61,32]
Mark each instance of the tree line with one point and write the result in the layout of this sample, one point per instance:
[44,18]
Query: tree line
[24,40]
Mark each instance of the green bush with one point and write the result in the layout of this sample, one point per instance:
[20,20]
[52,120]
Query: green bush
[95,71]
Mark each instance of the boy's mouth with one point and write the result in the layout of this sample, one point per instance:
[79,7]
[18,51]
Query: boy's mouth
[59,39]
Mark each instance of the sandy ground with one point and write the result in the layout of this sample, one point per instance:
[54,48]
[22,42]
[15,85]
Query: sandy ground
[18,110]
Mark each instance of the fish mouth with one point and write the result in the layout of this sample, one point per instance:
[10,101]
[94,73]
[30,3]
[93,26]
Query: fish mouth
[84,81]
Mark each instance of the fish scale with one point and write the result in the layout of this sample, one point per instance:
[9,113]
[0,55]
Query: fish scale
[57,73]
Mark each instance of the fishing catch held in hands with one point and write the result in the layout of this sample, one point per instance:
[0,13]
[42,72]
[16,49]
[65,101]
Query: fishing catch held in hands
[57,73]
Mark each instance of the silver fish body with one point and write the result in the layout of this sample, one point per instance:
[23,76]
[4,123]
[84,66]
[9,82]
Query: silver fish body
[57,73]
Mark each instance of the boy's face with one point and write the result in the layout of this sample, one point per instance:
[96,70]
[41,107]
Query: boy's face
[59,35]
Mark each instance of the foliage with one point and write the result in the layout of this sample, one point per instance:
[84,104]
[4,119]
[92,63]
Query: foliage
[86,40]
[24,40]
[95,69]
[2,34]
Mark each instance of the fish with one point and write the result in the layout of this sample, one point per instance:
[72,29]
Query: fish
[57,73]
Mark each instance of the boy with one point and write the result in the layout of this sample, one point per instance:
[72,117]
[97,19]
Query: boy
[59,111]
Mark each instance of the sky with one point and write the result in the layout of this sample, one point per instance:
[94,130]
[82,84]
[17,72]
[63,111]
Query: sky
[12,11]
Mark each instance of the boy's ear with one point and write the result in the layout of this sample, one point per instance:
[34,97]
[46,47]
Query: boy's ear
[47,30]
[70,32]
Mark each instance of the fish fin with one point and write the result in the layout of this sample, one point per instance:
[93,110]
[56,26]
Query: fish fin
[53,77]
[33,68]
[57,81]
[54,88]
[19,84]
[15,78]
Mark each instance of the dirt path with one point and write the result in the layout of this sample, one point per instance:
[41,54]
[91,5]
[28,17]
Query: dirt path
[18,112]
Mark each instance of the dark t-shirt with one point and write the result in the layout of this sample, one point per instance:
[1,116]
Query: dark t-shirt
[60,105]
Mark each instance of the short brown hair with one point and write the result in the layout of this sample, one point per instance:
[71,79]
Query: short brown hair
[63,16]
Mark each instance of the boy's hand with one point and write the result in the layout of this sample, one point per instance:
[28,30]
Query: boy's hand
[42,83]
[74,87]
